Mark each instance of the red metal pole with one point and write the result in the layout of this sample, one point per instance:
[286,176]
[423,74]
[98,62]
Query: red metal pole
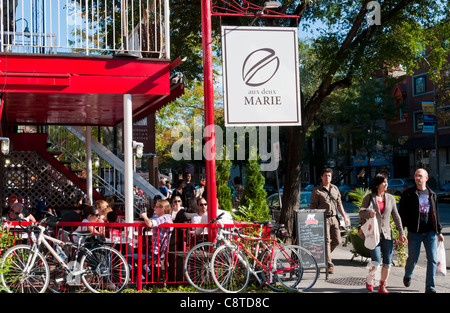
[209,109]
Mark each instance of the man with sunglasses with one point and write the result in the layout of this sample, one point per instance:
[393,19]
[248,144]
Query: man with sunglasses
[202,211]
[327,197]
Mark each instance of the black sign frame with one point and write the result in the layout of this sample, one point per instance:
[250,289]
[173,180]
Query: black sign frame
[312,234]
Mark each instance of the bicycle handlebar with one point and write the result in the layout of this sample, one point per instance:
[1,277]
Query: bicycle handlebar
[214,220]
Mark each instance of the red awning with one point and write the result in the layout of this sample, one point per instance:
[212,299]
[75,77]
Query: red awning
[68,90]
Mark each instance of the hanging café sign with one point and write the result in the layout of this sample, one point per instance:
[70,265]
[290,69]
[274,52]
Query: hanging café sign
[261,76]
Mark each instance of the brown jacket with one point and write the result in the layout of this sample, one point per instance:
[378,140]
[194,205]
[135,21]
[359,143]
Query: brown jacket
[384,219]
[321,199]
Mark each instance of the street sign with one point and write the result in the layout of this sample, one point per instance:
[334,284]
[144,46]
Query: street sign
[261,78]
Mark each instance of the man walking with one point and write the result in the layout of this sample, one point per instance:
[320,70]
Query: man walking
[420,214]
[327,197]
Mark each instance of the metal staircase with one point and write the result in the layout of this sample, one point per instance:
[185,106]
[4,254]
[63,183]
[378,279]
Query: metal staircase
[108,175]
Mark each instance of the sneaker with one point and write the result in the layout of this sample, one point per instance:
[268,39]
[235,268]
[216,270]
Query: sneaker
[407,281]
[430,291]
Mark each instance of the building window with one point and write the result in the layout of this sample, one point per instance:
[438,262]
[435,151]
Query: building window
[419,85]
[418,121]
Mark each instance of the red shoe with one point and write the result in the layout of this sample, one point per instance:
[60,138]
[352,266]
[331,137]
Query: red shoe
[369,281]
[382,287]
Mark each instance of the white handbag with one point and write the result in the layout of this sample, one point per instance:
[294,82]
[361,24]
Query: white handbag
[371,232]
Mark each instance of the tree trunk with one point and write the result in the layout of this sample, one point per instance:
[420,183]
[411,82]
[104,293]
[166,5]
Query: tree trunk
[292,184]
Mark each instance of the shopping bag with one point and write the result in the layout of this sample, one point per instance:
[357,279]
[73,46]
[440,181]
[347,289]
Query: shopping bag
[441,261]
[371,233]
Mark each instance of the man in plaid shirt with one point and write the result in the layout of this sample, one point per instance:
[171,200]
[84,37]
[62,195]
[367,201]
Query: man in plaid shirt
[162,210]
[160,234]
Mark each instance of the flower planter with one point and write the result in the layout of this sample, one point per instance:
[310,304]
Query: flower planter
[358,247]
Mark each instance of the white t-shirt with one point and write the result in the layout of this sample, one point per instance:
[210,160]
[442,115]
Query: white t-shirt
[197,219]
[225,219]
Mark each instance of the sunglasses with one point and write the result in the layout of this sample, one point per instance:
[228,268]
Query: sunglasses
[17,213]
[177,201]
[202,204]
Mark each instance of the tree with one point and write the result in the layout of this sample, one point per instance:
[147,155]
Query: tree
[253,203]
[360,113]
[346,50]
[222,176]
[349,49]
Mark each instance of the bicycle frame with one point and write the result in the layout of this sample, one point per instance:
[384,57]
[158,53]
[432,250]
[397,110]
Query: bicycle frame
[44,239]
[274,244]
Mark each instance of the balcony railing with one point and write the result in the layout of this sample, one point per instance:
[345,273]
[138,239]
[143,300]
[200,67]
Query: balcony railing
[90,27]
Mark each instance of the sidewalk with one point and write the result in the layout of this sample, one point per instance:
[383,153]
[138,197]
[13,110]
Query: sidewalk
[349,276]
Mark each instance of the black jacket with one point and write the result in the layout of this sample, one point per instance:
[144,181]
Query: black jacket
[409,210]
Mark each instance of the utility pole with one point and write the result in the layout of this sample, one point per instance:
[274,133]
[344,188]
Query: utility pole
[209,109]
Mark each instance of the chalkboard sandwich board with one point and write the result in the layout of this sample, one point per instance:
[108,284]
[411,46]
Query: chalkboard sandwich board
[311,234]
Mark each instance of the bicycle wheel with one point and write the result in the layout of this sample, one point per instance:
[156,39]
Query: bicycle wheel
[230,269]
[104,269]
[197,267]
[18,276]
[60,280]
[304,276]
[270,280]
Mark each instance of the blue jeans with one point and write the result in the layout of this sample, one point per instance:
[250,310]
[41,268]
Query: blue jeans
[429,240]
[132,260]
[384,247]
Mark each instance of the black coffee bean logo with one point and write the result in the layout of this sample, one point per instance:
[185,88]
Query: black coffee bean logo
[259,67]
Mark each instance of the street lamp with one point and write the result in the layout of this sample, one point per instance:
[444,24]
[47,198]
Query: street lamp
[4,145]
[26,29]
[267,5]
[139,146]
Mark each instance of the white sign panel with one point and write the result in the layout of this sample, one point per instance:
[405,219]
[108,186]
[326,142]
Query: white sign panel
[261,76]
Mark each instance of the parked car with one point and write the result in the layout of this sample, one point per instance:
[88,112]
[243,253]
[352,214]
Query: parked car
[345,190]
[396,186]
[309,187]
[443,193]
[305,201]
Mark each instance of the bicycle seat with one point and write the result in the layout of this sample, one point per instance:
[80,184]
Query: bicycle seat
[82,233]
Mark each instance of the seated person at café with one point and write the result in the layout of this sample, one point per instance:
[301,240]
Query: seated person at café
[202,211]
[91,215]
[160,236]
[103,209]
[188,211]
[177,205]
[225,219]
[15,210]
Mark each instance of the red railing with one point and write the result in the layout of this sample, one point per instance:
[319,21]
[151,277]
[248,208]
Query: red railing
[134,241]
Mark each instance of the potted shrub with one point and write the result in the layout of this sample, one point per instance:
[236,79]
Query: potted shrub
[357,242]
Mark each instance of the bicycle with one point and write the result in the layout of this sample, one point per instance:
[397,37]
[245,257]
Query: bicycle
[25,269]
[230,268]
[197,260]
[196,263]
[197,267]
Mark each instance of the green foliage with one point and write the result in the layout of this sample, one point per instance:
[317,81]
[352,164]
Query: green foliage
[358,196]
[222,176]
[253,205]
[7,240]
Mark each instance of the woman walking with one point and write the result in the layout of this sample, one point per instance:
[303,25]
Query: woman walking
[383,206]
